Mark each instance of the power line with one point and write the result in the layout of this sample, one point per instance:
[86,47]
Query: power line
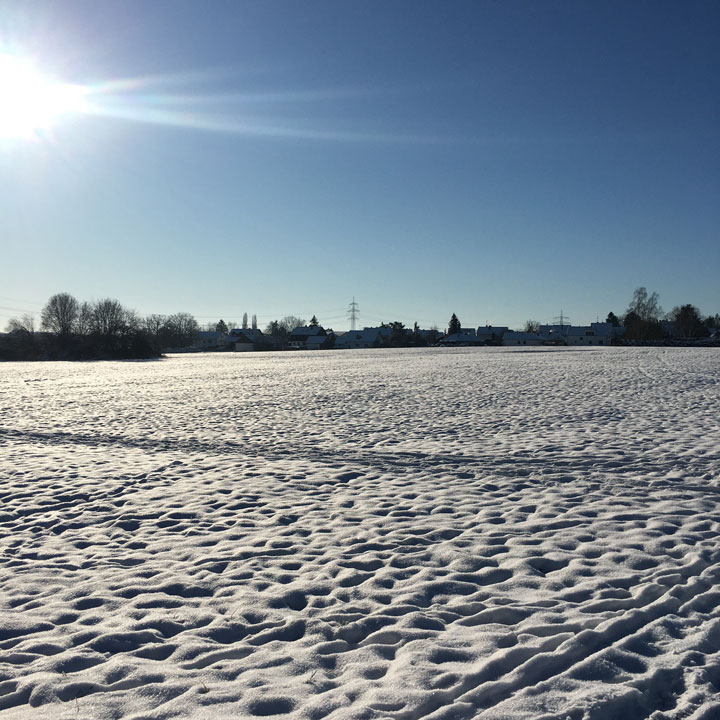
[271,316]
[353,314]
[563,320]
[373,313]
[14,309]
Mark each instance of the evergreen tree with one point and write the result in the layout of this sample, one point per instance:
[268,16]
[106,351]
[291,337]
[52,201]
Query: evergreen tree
[613,319]
[712,321]
[454,326]
[313,321]
[687,321]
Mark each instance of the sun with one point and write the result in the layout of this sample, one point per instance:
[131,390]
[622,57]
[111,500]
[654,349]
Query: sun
[31,102]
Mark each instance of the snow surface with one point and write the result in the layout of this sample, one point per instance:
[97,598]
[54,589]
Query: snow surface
[473,533]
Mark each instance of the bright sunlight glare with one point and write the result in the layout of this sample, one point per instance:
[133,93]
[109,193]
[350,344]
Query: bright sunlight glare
[30,102]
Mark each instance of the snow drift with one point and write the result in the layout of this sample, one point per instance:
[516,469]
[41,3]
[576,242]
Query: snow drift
[480,533]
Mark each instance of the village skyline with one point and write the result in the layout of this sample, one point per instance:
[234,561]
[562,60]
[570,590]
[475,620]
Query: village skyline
[105,329]
[353,318]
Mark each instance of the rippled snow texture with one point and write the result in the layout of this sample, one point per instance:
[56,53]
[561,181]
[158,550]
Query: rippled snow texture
[480,533]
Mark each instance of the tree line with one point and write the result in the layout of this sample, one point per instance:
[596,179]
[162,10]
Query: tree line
[70,329]
[105,329]
[645,320]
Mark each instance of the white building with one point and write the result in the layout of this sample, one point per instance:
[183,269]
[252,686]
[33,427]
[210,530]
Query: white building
[554,334]
[317,342]
[355,339]
[511,338]
[491,334]
[593,334]
[209,340]
[464,337]
[300,336]
[244,340]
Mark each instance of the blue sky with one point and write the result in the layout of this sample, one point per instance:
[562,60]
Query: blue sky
[500,160]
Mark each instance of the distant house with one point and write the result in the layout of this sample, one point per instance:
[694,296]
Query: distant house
[356,339]
[209,340]
[244,339]
[299,337]
[491,334]
[554,334]
[511,338]
[429,336]
[319,342]
[465,338]
[593,334]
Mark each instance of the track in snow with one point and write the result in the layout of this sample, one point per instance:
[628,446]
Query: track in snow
[410,534]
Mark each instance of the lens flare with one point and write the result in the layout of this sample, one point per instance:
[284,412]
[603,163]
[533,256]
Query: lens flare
[32,104]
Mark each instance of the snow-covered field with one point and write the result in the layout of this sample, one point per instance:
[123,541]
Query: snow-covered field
[478,533]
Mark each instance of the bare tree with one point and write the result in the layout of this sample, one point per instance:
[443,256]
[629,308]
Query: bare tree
[532,326]
[280,329]
[84,322]
[254,322]
[642,318]
[245,322]
[179,329]
[60,314]
[108,317]
[646,307]
[133,321]
[154,324]
[24,324]
[290,322]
